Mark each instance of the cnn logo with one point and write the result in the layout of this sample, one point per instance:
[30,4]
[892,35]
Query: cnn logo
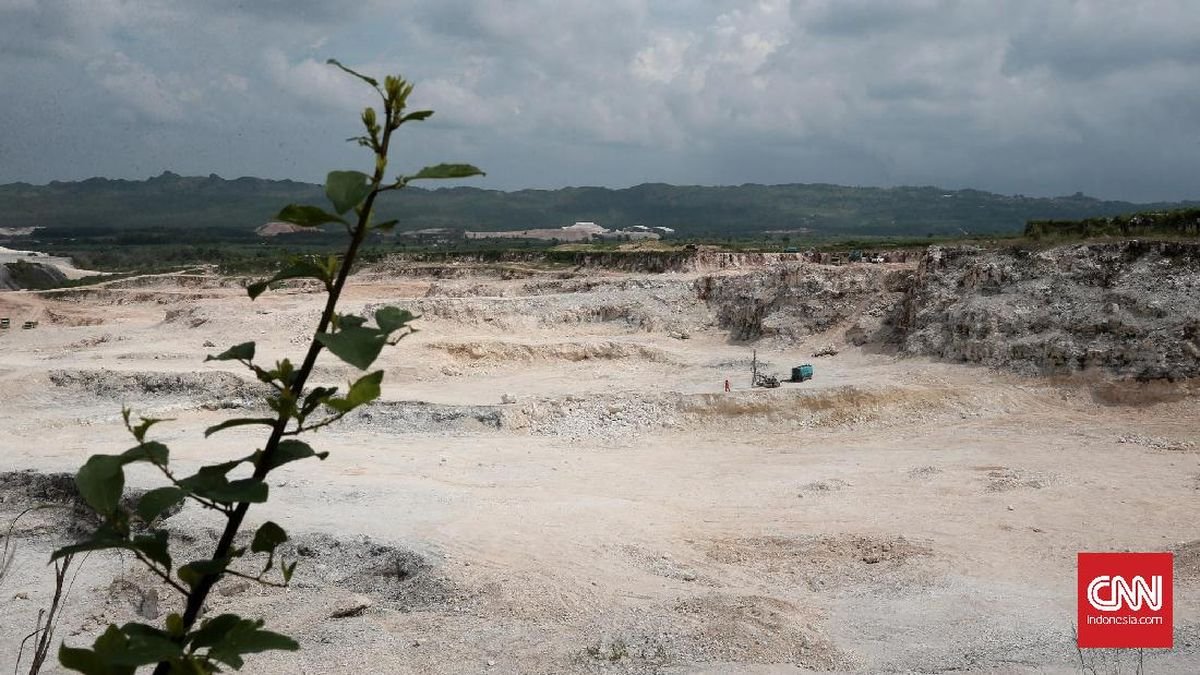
[1111,594]
[1125,600]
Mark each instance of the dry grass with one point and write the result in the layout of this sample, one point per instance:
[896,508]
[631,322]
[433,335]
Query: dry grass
[1141,394]
[1105,390]
[826,407]
[725,405]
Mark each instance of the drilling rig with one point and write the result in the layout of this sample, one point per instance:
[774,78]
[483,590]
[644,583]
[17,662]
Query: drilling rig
[758,379]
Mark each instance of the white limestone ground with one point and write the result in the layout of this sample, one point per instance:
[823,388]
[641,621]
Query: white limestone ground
[620,513]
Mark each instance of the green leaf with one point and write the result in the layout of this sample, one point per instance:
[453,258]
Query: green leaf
[369,80]
[247,637]
[299,267]
[284,405]
[290,451]
[350,321]
[316,397]
[288,570]
[268,536]
[147,645]
[101,481]
[210,483]
[386,226]
[440,171]
[105,537]
[307,216]
[88,662]
[284,373]
[346,189]
[213,630]
[108,656]
[416,116]
[207,476]
[97,661]
[83,660]
[391,319]
[249,490]
[174,624]
[153,452]
[158,501]
[193,572]
[133,630]
[139,431]
[242,352]
[229,636]
[238,422]
[110,642]
[365,390]
[358,346]
[155,547]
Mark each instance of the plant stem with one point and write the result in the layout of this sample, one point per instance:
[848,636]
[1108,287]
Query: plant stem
[199,594]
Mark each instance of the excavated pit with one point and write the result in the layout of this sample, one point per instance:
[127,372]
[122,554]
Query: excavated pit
[554,480]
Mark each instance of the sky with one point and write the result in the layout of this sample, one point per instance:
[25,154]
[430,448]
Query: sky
[1034,97]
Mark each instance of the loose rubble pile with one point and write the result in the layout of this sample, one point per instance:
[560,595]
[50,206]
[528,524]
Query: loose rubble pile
[212,389]
[1158,443]
[422,418]
[510,352]
[642,304]
[628,414]
[594,416]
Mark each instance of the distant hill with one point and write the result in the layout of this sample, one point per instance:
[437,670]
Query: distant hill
[173,201]
[1176,222]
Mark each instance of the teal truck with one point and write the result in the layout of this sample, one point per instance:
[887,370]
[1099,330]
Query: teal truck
[802,373]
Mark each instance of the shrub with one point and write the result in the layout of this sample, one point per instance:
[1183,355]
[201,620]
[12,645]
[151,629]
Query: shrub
[185,644]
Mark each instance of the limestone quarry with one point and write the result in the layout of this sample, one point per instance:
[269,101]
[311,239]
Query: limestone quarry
[555,480]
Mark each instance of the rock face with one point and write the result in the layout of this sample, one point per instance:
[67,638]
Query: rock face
[1130,308]
[796,300]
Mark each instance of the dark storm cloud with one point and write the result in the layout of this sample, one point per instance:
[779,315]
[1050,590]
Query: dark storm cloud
[1037,97]
[1085,45]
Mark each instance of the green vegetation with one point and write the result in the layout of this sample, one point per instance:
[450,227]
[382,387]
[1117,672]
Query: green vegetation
[137,212]
[30,275]
[171,221]
[185,643]
[150,252]
[1175,223]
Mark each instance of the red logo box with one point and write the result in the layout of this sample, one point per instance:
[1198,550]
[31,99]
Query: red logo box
[1125,600]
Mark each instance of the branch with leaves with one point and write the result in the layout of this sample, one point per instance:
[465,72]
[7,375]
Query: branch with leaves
[186,643]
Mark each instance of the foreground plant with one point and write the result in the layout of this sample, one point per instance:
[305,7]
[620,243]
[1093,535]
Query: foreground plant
[185,643]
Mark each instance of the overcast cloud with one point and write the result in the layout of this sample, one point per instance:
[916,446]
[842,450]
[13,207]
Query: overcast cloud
[1040,97]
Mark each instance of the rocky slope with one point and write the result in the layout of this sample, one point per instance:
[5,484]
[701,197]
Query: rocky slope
[793,301]
[19,275]
[1129,308]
